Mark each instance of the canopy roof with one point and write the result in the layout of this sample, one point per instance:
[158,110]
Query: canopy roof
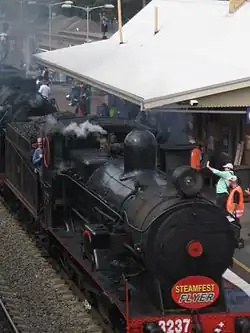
[200,50]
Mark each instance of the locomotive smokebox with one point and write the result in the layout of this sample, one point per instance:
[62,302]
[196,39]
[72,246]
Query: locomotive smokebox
[140,152]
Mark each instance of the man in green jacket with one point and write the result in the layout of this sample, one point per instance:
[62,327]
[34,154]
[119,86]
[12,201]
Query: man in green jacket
[223,183]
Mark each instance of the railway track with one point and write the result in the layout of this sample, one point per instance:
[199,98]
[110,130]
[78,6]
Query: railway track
[36,294]
[7,325]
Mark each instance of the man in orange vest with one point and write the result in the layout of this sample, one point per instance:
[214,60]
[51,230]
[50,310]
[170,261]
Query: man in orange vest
[235,201]
[196,157]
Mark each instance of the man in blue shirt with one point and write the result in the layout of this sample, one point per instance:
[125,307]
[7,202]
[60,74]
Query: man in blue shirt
[37,158]
[33,148]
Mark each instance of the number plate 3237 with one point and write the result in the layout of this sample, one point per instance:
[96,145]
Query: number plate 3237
[183,325]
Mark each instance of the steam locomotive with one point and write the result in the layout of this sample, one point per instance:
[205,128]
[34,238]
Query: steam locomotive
[148,250]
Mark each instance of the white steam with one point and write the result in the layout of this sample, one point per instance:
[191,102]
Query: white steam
[83,129]
[51,125]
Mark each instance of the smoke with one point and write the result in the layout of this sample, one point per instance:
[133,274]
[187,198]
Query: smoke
[82,130]
[62,167]
[20,20]
[51,125]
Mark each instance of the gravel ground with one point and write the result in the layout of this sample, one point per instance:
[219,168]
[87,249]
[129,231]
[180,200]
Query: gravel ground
[36,293]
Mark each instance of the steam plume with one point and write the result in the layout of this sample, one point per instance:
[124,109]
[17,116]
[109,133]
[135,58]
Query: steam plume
[52,125]
[83,129]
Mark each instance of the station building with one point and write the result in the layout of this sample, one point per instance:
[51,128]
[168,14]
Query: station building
[188,59]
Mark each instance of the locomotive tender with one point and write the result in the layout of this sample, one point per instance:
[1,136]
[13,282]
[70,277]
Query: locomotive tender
[148,251]
[18,102]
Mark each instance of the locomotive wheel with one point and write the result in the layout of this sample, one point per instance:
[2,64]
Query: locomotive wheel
[102,312]
[104,308]
[64,261]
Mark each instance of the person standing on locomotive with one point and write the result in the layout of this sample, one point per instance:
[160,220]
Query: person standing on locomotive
[223,183]
[37,157]
[235,201]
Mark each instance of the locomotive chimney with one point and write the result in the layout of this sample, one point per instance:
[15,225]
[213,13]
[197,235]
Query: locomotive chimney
[140,151]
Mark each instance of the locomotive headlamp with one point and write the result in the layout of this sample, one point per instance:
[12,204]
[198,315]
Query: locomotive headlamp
[187,181]
[195,249]
[151,328]
[242,325]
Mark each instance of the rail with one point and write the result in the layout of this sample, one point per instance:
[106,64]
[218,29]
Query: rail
[70,37]
[7,316]
[62,40]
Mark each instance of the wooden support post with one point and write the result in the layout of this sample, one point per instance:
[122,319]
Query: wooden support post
[119,10]
[156,21]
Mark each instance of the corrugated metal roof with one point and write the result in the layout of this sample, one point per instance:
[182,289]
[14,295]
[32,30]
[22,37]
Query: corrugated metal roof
[236,98]
[200,50]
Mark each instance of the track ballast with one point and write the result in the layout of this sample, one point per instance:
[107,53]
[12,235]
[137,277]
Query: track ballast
[36,296]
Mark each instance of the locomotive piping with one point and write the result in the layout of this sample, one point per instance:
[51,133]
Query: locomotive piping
[47,162]
[86,190]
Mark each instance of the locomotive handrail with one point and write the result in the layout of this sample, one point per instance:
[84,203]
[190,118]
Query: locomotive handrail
[45,161]
[92,194]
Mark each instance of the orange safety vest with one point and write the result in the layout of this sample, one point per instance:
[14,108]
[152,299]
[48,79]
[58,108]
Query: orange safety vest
[239,209]
[195,160]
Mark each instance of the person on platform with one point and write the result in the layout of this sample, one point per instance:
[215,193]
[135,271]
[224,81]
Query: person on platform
[45,74]
[222,186]
[113,112]
[38,156]
[104,110]
[81,107]
[39,82]
[247,191]
[196,157]
[235,201]
[45,90]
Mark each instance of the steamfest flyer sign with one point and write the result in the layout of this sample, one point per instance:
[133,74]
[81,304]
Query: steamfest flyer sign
[195,292]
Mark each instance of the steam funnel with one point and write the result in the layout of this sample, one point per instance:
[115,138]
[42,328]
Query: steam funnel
[140,151]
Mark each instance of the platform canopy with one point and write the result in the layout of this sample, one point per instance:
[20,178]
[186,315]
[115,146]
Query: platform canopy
[200,50]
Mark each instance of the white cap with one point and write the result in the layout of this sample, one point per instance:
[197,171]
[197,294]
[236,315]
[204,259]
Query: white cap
[228,166]
[232,178]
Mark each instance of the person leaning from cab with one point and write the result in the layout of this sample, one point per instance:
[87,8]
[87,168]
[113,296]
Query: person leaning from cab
[37,158]
[222,186]
[235,201]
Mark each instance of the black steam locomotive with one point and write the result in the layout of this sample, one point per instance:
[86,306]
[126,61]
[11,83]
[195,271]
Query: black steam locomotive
[148,250]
